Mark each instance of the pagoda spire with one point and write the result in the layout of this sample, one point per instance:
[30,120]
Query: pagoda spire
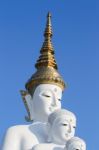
[47,71]
[46,58]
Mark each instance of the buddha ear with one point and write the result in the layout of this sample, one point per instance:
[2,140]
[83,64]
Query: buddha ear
[27,100]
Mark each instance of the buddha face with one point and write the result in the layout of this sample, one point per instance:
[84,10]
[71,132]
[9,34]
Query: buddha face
[46,99]
[63,129]
[76,145]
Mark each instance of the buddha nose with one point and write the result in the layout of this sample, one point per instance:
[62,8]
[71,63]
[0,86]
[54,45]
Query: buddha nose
[69,128]
[55,101]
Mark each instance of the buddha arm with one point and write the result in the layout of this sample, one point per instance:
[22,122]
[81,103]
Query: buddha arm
[11,140]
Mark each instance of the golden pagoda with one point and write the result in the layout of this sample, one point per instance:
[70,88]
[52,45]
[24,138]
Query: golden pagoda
[47,70]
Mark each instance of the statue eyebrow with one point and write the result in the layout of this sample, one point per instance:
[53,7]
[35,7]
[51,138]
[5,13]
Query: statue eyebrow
[64,120]
[52,92]
[47,90]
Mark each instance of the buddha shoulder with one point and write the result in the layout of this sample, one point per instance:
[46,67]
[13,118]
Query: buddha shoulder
[17,130]
[20,130]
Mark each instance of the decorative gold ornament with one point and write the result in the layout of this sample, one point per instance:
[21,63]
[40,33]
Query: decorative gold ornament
[46,65]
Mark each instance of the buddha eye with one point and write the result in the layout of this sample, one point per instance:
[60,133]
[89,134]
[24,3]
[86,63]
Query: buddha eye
[64,124]
[46,95]
[74,127]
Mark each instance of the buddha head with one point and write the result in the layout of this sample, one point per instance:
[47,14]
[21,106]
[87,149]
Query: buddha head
[61,126]
[46,99]
[76,143]
[44,89]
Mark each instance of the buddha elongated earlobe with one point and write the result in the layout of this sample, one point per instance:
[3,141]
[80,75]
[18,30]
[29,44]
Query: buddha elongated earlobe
[27,99]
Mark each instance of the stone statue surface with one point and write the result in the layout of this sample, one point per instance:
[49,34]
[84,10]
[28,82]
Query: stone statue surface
[75,143]
[60,128]
[46,99]
[52,128]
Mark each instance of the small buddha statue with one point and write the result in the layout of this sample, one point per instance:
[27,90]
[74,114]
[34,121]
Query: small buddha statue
[61,128]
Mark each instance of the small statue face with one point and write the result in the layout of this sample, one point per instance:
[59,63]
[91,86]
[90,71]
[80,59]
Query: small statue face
[77,145]
[63,129]
[46,99]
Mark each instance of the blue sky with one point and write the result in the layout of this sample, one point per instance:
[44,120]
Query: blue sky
[75,39]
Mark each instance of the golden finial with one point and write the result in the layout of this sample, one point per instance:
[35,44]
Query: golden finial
[48,29]
[47,58]
[46,65]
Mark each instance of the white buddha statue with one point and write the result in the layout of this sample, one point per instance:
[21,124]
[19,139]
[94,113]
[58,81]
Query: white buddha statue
[75,143]
[42,97]
[45,100]
[61,128]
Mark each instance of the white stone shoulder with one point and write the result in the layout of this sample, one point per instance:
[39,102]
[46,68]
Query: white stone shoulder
[23,137]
